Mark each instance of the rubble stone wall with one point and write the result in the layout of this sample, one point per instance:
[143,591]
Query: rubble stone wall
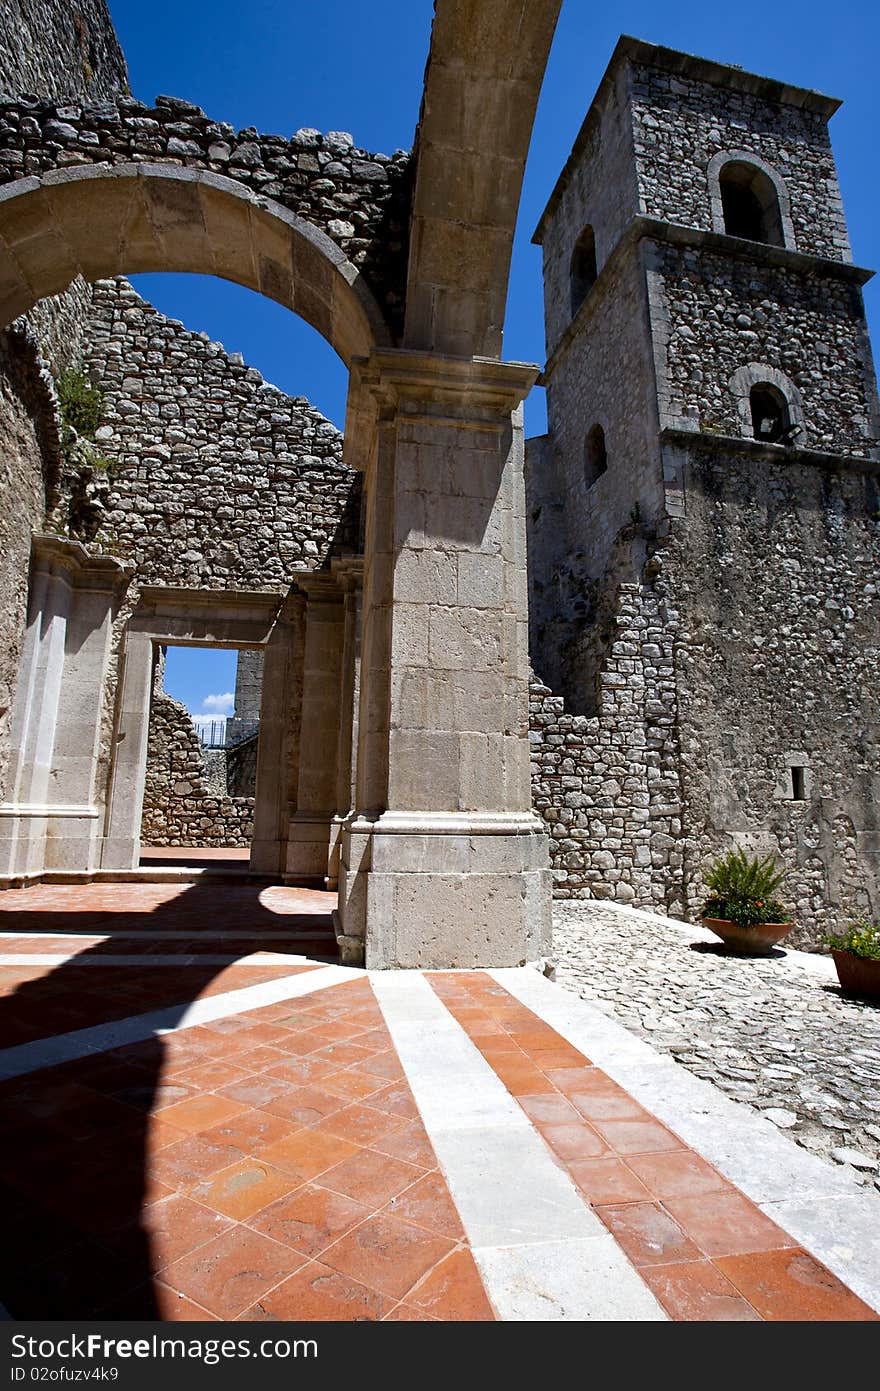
[181,803]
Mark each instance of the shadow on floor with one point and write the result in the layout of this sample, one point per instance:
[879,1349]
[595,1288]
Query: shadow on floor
[74,1168]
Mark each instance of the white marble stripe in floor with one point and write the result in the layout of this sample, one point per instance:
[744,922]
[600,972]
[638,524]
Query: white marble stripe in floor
[542,1253]
[79,1043]
[820,1205]
[161,934]
[264,958]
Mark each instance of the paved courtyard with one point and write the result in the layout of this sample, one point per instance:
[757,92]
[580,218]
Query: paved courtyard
[204,1117]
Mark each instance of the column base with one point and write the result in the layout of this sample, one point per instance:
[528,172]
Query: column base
[308,847]
[431,891]
[35,838]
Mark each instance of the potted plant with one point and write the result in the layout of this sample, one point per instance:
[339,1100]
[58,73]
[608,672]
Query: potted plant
[742,908]
[856,955]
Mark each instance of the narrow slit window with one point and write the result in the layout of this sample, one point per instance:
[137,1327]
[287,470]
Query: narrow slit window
[583,269]
[595,456]
[798,784]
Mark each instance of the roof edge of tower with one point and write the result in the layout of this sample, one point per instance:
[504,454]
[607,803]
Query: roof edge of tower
[629,50]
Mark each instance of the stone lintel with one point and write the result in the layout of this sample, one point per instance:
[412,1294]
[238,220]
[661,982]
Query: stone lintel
[463,823]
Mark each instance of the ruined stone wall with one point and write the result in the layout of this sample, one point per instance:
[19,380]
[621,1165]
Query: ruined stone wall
[56,50]
[241,767]
[60,49]
[28,462]
[680,122]
[607,786]
[217,480]
[181,806]
[359,199]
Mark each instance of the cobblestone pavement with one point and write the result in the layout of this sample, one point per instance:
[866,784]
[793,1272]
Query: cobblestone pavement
[774,1033]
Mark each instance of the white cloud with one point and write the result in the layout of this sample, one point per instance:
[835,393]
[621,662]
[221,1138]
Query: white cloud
[219,704]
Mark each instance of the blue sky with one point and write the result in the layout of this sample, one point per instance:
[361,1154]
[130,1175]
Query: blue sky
[347,65]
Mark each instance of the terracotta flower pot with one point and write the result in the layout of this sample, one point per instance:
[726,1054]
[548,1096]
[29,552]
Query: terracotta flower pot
[858,975]
[748,941]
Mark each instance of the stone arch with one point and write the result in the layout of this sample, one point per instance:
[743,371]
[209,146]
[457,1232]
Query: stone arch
[747,158]
[758,374]
[102,220]
[484,75]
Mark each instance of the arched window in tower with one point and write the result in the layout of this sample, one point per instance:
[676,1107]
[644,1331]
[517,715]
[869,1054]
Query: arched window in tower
[583,269]
[771,420]
[595,455]
[750,203]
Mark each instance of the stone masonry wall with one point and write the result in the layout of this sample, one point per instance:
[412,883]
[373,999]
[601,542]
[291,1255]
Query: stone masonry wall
[241,767]
[774,571]
[218,480]
[60,49]
[28,463]
[607,786]
[180,805]
[717,314]
[603,376]
[680,123]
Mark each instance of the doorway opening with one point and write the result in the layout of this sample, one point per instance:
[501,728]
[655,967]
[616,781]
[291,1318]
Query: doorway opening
[202,747]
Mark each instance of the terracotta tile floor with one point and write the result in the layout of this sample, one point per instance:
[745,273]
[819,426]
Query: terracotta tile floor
[705,1249]
[267,1165]
[273,1164]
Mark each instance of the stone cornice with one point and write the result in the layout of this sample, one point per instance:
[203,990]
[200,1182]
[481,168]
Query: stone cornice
[405,380]
[59,554]
[770,453]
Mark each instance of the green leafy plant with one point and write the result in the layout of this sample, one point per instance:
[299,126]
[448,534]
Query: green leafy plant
[82,404]
[860,938]
[743,890]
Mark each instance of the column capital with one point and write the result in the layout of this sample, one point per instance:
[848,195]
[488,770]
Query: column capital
[58,555]
[403,380]
[319,586]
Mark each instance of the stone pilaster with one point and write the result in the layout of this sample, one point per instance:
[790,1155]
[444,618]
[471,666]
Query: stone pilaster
[51,821]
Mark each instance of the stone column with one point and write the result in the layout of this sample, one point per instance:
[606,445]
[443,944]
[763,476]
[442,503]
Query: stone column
[444,863]
[308,845]
[350,575]
[269,841]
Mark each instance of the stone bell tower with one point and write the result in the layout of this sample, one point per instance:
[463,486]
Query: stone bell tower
[711,467]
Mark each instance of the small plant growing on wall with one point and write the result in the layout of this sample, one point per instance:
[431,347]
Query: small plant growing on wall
[82,405]
[87,471]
